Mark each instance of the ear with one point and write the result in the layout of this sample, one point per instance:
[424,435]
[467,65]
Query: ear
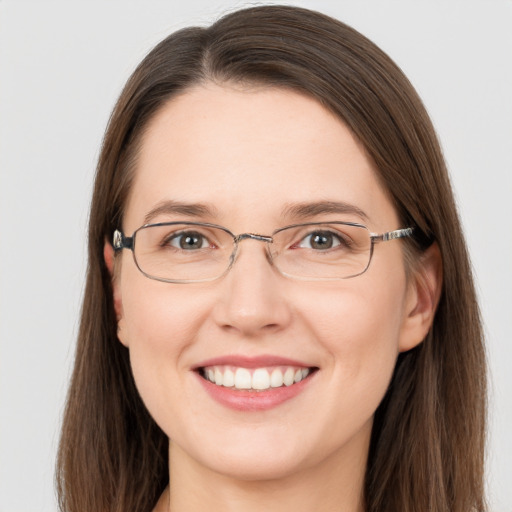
[423,294]
[109,257]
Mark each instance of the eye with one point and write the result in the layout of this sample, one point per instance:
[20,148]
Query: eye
[188,241]
[320,241]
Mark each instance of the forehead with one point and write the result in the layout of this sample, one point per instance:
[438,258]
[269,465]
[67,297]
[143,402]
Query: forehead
[250,153]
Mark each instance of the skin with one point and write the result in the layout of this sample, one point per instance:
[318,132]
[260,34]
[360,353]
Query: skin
[250,153]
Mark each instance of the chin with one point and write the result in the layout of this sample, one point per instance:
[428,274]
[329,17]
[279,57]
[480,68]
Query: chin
[254,458]
[258,468]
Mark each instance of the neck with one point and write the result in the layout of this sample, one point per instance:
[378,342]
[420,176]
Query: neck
[333,485]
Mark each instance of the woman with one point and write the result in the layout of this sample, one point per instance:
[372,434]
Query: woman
[296,327]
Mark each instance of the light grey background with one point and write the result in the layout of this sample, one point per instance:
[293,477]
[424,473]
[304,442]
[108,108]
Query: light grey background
[62,65]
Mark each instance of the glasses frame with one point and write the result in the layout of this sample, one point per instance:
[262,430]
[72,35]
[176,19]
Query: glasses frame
[120,241]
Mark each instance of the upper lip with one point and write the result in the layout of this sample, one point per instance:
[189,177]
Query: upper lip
[251,362]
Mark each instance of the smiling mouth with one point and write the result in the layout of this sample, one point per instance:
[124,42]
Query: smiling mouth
[255,379]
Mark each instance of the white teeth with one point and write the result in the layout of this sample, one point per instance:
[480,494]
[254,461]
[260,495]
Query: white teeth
[258,379]
[276,379]
[288,377]
[243,379]
[229,379]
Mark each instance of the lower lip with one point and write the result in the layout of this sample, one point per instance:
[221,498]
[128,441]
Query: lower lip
[241,400]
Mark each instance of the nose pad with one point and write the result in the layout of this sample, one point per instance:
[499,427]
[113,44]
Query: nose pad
[250,236]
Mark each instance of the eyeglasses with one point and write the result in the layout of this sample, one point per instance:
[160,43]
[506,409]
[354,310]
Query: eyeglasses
[194,252]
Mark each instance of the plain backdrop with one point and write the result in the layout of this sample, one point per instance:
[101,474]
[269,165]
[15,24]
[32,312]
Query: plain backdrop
[62,65]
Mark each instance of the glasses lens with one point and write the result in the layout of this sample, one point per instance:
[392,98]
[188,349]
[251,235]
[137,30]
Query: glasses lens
[322,251]
[182,252]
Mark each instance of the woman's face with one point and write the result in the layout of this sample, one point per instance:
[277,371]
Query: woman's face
[254,159]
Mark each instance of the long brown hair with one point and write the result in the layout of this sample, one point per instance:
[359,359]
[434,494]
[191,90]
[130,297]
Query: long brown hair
[427,445]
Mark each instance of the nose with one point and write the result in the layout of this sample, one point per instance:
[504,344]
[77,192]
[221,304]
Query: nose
[253,301]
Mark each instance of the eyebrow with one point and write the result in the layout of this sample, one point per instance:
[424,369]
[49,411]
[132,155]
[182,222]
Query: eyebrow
[170,207]
[298,211]
[306,210]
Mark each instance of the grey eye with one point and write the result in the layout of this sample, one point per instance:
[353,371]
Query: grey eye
[320,241]
[189,241]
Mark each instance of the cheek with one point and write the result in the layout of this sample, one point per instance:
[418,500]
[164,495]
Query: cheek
[157,315]
[153,322]
[358,326]
[160,323]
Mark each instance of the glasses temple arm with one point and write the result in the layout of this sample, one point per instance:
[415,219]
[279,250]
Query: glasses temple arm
[119,241]
[391,235]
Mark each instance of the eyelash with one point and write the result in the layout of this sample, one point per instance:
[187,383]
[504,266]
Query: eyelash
[167,242]
[338,240]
